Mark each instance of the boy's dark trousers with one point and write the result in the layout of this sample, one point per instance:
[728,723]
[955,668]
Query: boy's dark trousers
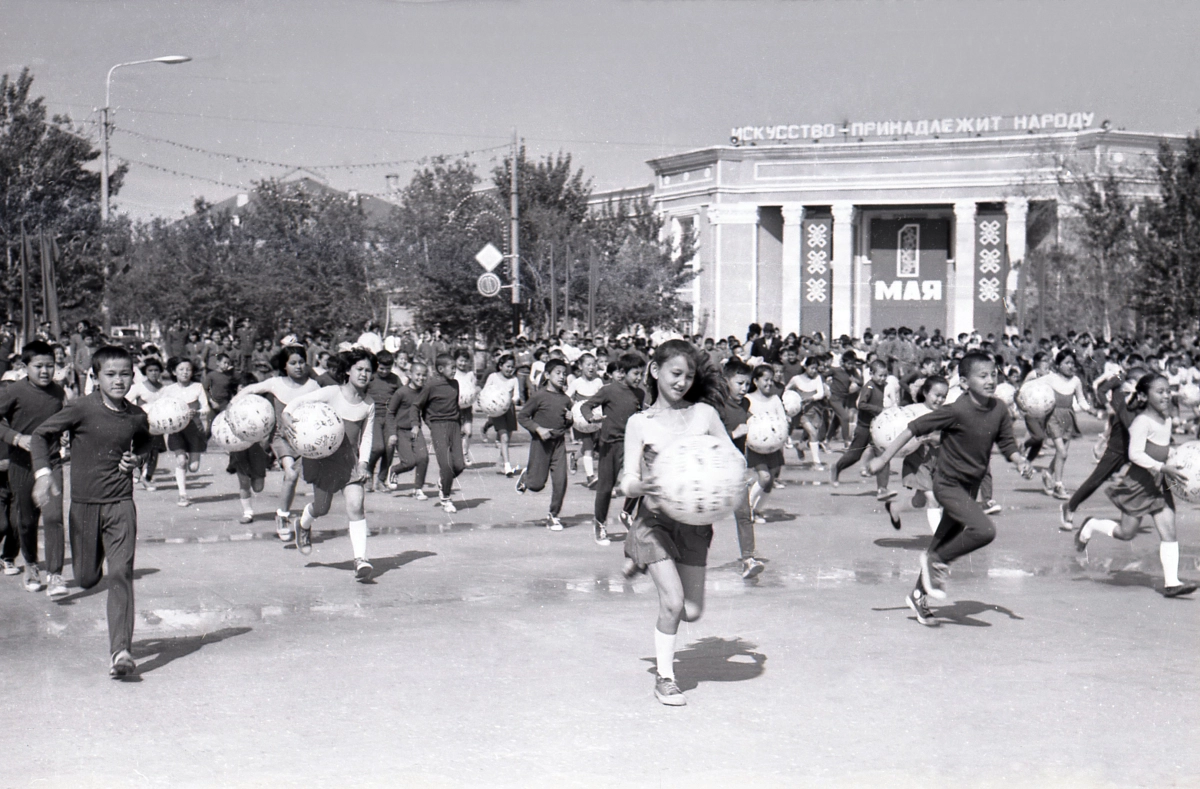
[107,531]
[610,461]
[447,446]
[548,458]
[21,481]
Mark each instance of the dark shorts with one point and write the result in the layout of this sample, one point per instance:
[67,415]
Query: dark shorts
[191,440]
[656,537]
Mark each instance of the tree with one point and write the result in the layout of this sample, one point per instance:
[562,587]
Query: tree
[1169,242]
[45,185]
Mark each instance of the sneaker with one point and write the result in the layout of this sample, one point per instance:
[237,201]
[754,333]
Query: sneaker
[56,587]
[883,494]
[362,570]
[122,664]
[668,692]
[447,506]
[33,578]
[303,539]
[9,567]
[247,517]
[573,463]
[283,527]
[933,577]
[990,507]
[600,534]
[420,495]
[1060,492]
[1080,543]
[916,601]
[752,567]
[553,523]
[919,500]
[520,486]
[1178,590]
[590,482]
[184,501]
[1065,516]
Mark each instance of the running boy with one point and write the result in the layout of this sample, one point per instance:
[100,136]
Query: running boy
[109,438]
[970,426]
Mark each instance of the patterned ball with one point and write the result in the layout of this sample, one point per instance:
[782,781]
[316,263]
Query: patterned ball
[700,479]
[1036,398]
[1189,395]
[224,438]
[1187,459]
[793,403]
[1005,393]
[766,433]
[494,401]
[168,415]
[887,426]
[581,424]
[317,431]
[252,418]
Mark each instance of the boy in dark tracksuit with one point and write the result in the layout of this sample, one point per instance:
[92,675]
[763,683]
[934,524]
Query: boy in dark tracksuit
[110,437]
[618,400]
[438,406]
[735,414]
[870,404]
[969,427]
[547,416]
[24,405]
[404,431]
[1116,451]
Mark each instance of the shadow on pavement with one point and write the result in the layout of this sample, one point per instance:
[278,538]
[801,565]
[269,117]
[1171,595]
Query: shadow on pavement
[166,650]
[382,565]
[716,659]
[907,543]
[963,611]
[138,572]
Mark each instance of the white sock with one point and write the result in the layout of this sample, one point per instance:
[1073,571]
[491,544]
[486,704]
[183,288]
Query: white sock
[589,465]
[283,513]
[816,451]
[181,481]
[934,516]
[358,538]
[664,651]
[1168,554]
[307,518]
[1102,525]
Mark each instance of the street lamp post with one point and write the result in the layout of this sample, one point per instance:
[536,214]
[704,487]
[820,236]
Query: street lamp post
[170,60]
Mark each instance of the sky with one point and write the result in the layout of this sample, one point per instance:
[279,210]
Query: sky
[610,82]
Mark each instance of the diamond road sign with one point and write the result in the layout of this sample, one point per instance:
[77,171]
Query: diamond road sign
[489,257]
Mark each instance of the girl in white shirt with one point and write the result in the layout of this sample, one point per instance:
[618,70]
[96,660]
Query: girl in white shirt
[675,554]
[1145,488]
[191,442]
[346,469]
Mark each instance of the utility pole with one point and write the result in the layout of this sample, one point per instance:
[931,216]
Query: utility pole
[514,241]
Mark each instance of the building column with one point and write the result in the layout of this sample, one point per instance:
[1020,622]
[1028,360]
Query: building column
[964,268]
[735,256]
[793,267]
[843,269]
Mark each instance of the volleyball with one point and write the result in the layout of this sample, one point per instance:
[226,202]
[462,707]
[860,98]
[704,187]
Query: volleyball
[494,401]
[582,425]
[316,431]
[699,479]
[886,427]
[224,438]
[252,418]
[1189,395]
[1005,393]
[168,415]
[766,433]
[1187,459]
[1036,398]
[793,403]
